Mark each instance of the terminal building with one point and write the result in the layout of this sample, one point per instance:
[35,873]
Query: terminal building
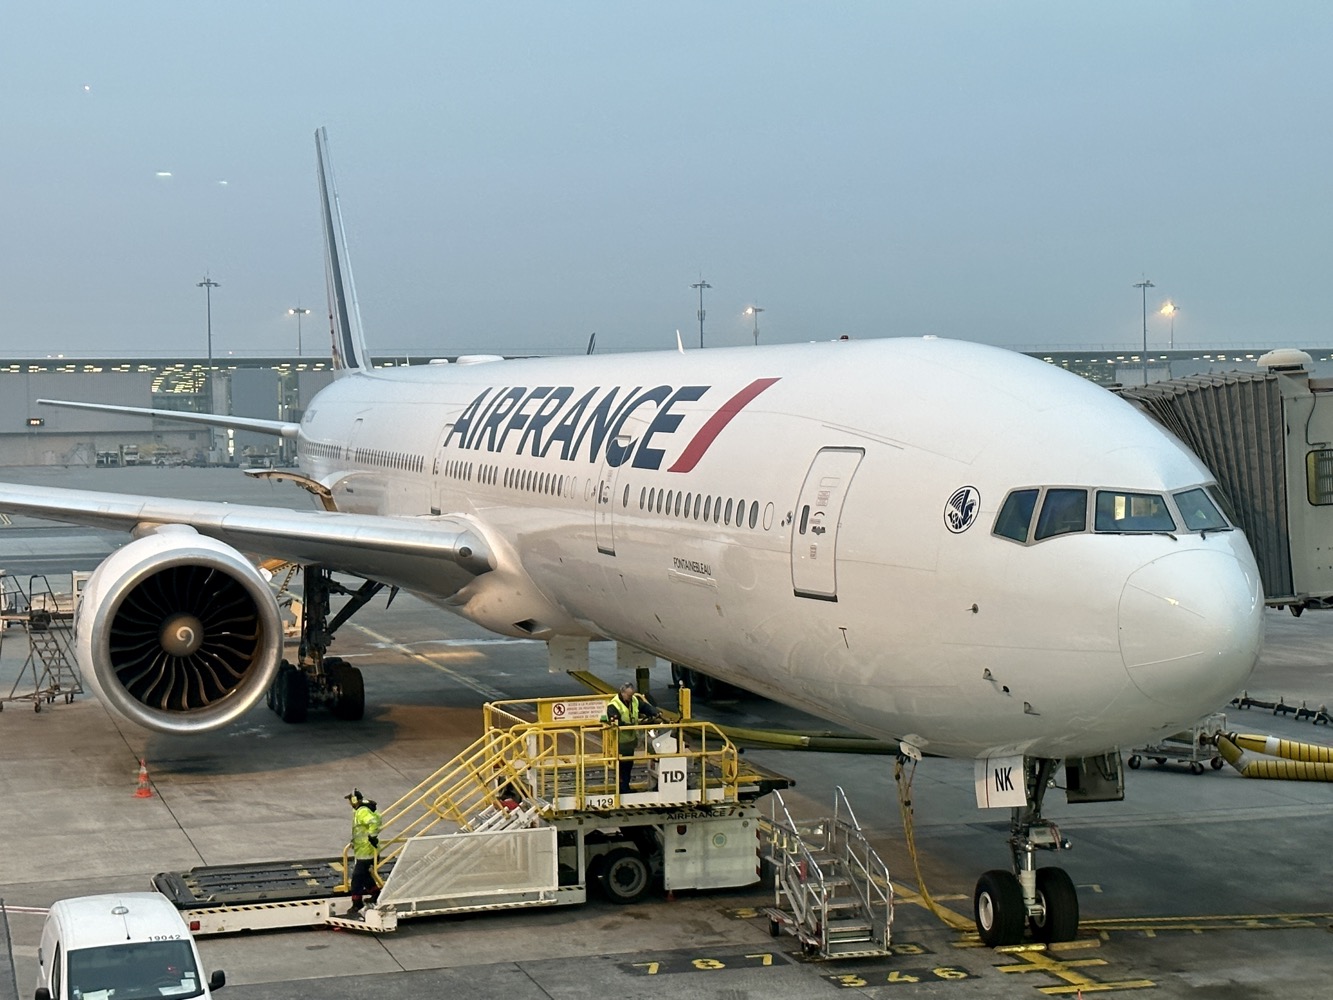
[279,387]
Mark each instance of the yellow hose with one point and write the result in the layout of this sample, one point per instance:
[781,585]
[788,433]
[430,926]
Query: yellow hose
[1287,749]
[904,780]
[1257,767]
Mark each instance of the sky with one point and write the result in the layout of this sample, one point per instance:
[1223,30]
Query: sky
[516,176]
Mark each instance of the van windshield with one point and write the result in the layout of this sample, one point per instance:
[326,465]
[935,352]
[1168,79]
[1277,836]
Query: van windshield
[135,970]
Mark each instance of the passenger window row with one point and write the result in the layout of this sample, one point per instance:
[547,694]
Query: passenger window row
[697,506]
[672,503]
[388,459]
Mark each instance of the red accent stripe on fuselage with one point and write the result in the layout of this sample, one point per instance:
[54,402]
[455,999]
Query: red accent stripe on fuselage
[694,451]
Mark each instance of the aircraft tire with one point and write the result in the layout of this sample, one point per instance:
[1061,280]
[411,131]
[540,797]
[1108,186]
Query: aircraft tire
[1056,892]
[271,695]
[293,696]
[625,877]
[350,703]
[997,905]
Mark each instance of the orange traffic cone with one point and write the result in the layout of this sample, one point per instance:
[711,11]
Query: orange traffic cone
[143,791]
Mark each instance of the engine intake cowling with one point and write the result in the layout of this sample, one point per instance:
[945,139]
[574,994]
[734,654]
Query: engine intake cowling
[178,632]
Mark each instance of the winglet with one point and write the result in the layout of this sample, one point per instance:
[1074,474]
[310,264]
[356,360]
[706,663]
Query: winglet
[680,346]
[349,342]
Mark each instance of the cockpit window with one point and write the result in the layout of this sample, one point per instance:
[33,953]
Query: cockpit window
[1015,516]
[1223,504]
[1199,512]
[1132,512]
[1062,511]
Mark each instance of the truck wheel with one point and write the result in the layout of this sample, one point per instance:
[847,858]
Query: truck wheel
[625,877]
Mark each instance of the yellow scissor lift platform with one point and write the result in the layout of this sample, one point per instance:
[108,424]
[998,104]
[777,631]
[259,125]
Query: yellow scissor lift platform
[529,815]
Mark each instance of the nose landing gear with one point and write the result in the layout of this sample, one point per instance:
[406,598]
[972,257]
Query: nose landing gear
[1042,898]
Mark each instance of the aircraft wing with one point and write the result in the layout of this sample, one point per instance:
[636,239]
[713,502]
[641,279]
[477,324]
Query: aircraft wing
[278,428]
[410,552]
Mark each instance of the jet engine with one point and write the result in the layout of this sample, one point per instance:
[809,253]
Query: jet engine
[178,632]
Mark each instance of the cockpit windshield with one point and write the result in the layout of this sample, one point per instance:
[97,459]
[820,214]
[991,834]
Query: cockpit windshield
[1199,511]
[1120,512]
[1035,513]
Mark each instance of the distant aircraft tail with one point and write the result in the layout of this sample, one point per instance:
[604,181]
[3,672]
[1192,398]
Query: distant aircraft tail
[349,342]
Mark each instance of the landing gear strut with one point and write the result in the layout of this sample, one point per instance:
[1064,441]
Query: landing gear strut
[316,678]
[1042,898]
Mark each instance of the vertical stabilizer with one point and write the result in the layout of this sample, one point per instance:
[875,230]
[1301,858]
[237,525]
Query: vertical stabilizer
[349,342]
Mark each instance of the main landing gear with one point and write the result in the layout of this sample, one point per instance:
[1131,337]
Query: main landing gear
[317,679]
[1044,899]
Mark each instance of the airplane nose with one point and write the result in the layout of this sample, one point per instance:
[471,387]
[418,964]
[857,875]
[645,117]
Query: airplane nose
[1191,627]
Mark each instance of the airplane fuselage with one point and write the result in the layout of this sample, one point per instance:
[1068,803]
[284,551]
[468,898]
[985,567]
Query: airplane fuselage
[814,523]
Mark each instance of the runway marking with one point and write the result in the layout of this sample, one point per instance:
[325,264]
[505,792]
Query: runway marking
[1064,970]
[895,977]
[485,690]
[684,961]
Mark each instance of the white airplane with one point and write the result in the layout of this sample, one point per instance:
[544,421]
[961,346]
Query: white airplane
[936,542]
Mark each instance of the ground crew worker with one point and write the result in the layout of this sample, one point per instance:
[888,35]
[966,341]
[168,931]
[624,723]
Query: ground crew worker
[628,708]
[365,845]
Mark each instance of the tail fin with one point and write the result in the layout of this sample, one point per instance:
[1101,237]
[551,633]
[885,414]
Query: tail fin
[349,342]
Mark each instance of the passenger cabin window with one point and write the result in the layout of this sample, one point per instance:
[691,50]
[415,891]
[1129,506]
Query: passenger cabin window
[1199,512]
[1015,516]
[1062,512]
[1128,512]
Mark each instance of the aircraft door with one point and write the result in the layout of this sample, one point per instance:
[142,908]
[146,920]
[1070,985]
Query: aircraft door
[604,499]
[814,535]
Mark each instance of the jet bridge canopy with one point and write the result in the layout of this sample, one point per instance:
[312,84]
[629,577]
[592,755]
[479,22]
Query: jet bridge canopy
[1268,438]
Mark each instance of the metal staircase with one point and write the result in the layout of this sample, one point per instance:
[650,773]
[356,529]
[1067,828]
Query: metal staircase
[46,618]
[831,890]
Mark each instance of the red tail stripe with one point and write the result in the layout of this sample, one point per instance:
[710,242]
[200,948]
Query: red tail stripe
[694,451]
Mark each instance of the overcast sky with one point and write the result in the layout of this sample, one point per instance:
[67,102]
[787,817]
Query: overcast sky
[516,176]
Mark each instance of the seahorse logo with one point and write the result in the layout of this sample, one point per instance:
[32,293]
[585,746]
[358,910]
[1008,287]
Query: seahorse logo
[961,509]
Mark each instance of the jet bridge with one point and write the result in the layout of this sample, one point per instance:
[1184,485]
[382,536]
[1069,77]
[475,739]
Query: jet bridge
[1268,437]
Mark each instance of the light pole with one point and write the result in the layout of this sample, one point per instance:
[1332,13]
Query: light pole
[298,312]
[1143,286]
[701,285]
[208,284]
[755,311]
[1169,310]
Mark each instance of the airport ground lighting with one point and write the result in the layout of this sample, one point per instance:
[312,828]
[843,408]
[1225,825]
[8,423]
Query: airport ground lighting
[1143,286]
[755,311]
[208,284]
[701,285]
[1169,310]
[298,312]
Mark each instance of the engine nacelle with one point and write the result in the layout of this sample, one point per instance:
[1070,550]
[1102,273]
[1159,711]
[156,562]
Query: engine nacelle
[178,632]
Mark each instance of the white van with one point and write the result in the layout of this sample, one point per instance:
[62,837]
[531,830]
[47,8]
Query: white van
[121,946]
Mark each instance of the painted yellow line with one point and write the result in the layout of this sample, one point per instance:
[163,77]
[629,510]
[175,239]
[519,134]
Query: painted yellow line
[952,918]
[1124,984]
[1239,921]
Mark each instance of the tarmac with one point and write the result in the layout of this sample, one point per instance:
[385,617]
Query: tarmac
[1207,885]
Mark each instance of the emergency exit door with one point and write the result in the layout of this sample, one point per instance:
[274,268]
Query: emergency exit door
[814,536]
